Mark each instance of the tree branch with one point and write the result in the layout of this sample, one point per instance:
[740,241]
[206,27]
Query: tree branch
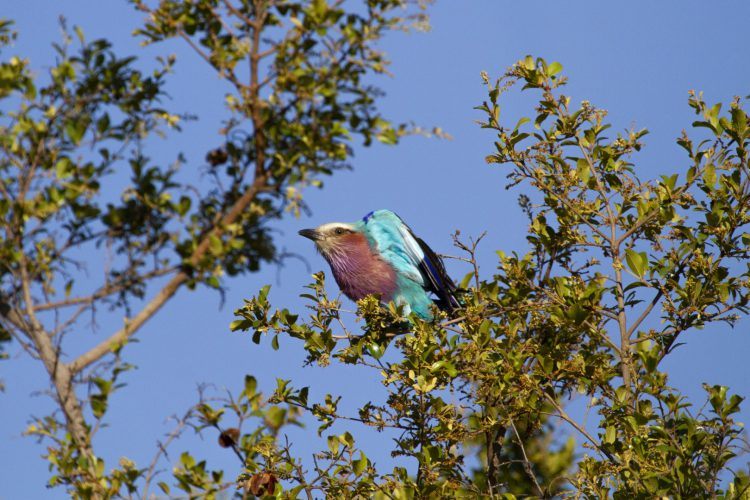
[121,336]
[59,373]
[563,415]
[162,450]
[526,463]
[259,185]
[104,291]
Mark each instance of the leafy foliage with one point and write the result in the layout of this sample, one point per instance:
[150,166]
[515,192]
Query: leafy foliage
[607,251]
[76,181]
[476,403]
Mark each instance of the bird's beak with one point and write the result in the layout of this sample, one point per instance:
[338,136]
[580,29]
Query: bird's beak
[310,233]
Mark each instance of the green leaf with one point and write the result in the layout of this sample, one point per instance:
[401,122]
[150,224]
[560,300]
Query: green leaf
[303,395]
[215,243]
[709,175]
[739,120]
[466,280]
[164,487]
[444,365]
[76,129]
[275,417]
[347,439]
[187,460]
[610,435]
[375,350]
[637,262]
[577,314]
[583,170]
[554,68]
[184,206]
[359,466]
[251,385]
[240,324]
[98,405]
[333,444]
[64,168]
[521,122]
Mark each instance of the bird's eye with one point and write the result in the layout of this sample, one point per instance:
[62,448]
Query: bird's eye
[338,231]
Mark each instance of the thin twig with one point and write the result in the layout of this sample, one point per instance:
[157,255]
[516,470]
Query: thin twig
[162,450]
[526,462]
[561,413]
[103,292]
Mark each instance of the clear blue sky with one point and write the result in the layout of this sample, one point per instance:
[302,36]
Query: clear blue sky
[637,59]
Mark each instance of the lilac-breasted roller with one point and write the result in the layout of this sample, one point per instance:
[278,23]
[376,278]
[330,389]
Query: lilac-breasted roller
[381,255]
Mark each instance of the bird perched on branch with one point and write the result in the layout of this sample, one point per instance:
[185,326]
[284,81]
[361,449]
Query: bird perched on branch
[381,255]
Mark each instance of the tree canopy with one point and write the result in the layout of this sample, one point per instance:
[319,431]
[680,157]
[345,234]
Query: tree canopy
[619,267]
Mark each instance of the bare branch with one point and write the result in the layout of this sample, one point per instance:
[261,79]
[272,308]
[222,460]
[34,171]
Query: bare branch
[526,463]
[563,415]
[162,450]
[103,292]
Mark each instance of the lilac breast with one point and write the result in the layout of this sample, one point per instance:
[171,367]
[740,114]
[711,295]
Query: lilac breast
[359,272]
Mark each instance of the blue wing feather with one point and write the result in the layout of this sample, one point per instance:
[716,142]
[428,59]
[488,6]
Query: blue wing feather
[412,258]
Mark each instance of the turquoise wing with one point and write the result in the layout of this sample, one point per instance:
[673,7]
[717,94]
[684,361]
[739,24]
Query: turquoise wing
[410,256]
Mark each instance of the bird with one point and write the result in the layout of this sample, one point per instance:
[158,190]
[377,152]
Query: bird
[380,255]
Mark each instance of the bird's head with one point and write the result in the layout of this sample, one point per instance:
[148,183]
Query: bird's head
[334,237]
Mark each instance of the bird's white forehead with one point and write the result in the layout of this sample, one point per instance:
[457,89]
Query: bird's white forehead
[331,226]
